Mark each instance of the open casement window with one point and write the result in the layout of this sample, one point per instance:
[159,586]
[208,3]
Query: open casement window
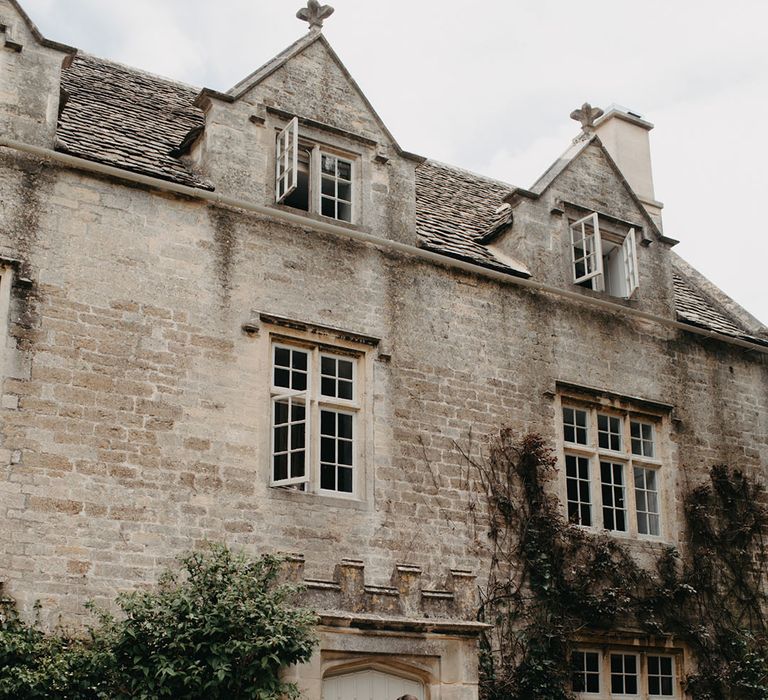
[629,253]
[287,161]
[603,259]
[314,416]
[586,251]
[312,178]
[290,422]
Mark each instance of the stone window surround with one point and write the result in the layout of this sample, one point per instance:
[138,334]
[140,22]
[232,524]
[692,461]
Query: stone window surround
[322,140]
[595,401]
[593,240]
[270,328]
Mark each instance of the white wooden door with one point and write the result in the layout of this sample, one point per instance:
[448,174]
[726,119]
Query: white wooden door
[370,685]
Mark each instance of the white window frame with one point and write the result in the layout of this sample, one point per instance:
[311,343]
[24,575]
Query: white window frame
[638,673]
[647,674]
[593,271]
[287,160]
[288,145]
[321,175]
[631,274]
[578,501]
[641,656]
[625,457]
[591,255]
[600,670]
[315,403]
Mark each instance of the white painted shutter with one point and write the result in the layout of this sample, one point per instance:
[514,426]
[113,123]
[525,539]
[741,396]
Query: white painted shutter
[290,398]
[287,160]
[587,251]
[631,277]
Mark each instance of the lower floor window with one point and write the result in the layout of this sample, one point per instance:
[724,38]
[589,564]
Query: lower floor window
[586,671]
[618,674]
[624,674]
[661,677]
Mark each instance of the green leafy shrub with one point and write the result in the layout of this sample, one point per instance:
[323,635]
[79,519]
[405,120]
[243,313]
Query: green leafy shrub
[220,626]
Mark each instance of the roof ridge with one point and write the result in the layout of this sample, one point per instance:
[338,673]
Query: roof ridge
[137,71]
[472,173]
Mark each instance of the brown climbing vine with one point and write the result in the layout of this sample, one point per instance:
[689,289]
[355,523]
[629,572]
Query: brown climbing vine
[550,581]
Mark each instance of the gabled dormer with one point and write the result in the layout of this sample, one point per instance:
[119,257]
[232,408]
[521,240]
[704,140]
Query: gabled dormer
[299,134]
[582,226]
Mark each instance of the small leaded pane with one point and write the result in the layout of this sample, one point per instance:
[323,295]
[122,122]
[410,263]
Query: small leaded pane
[624,674]
[660,676]
[290,368]
[612,488]
[642,439]
[577,485]
[336,451]
[344,170]
[647,501]
[575,425]
[585,672]
[609,432]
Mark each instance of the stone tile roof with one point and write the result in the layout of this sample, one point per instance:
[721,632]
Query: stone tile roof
[133,120]
[126,118]
[454,207]
[695,308]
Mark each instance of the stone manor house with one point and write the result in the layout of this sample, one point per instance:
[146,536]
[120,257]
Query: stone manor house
[252,317]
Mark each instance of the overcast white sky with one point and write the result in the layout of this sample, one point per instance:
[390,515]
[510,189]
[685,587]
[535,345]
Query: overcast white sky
[489,86]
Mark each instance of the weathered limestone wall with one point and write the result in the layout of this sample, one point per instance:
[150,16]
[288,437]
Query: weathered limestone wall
[29,82]
[140,425]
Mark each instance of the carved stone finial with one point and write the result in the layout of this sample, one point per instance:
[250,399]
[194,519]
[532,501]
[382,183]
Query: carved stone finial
[587,115]
[315,13]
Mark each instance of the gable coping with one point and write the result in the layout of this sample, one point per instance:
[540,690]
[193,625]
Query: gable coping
[260,74]
[48,43]
[564,162]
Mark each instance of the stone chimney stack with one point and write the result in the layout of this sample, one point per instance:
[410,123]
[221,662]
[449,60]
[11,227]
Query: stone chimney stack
[625,136]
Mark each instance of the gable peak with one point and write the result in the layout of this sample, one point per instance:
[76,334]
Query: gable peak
[587,115]
[314,14]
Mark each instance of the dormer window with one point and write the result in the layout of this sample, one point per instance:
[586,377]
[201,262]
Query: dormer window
[603,260]
[312,178]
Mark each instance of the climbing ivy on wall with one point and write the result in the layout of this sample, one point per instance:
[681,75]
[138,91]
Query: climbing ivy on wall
[550,581]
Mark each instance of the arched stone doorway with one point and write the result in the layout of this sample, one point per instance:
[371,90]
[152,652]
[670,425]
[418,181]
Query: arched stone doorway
[370,684]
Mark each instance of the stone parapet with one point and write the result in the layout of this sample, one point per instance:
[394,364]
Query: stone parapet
[408,595]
